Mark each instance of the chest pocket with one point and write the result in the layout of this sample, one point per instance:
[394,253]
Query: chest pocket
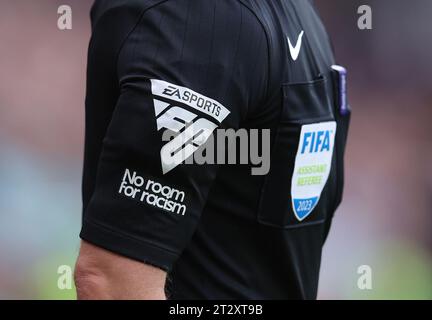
[303,187]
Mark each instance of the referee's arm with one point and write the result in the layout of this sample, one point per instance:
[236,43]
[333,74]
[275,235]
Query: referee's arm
[203,49]
[103,275]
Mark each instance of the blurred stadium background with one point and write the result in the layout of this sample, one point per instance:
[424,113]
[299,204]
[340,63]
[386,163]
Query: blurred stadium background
[385,220]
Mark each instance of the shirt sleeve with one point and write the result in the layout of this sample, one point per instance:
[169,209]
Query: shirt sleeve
[185,70]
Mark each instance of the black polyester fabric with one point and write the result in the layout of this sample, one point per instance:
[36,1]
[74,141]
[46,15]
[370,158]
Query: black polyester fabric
[218,231]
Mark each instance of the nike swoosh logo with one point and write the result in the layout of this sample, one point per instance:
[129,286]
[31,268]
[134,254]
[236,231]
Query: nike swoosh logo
[295,51]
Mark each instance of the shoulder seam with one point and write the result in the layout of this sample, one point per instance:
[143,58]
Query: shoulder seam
[248,7]
[140,17]
[241,2]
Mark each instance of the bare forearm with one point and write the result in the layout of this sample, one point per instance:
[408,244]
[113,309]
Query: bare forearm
[101,275]
[97,288]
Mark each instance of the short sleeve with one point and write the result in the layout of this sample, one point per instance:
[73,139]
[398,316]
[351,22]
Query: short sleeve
[184,71]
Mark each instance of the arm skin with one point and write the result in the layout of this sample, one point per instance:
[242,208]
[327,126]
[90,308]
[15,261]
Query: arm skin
[103,275]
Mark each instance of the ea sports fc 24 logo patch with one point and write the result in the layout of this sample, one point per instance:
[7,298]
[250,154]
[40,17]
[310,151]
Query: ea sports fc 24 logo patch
[191,130]
[312,166]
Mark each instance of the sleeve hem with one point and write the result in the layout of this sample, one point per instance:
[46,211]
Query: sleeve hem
[126,246]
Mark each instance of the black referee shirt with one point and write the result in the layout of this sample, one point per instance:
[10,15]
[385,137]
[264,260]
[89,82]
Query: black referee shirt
[157,66]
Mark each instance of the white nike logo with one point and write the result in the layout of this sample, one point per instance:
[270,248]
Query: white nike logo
[295,51]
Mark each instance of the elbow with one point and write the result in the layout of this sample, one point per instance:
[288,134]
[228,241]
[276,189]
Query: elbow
[90,281]
[102,275]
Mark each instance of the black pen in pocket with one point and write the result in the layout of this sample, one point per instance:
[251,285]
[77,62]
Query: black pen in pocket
[340,77]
